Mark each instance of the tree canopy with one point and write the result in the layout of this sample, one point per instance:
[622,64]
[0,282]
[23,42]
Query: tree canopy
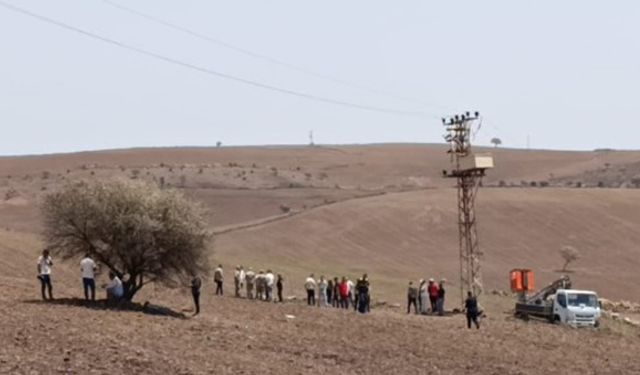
[140,232]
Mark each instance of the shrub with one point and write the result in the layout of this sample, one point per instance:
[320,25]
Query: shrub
[284,208]
[11,193]
[569,254]
[134,229]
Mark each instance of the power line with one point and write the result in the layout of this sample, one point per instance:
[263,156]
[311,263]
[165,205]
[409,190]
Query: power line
[210,71]
[269,59]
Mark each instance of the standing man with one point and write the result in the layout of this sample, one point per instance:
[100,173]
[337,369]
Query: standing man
[352,288]
[280,286]
[237,280]
[433,295]
[337,299]
[44,273]
[310,286]
[471,306]
[218,278]
[250,278]
[330,292]
[88,269]
[440,302]
[362,291]
[412,298]
[423,297]
[322,292]
[260,285]
[344,293]
[196,285]
[269,281]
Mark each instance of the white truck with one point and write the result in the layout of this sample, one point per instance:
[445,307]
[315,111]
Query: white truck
[560,304]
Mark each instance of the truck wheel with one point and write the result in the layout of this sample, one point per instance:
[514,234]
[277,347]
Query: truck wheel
[556,319]
[597,324]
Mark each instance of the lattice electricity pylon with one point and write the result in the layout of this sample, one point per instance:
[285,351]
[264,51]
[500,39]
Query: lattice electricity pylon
[468,170]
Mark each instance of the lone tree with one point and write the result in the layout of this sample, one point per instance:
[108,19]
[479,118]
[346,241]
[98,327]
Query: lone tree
[569,254]
[140,232]
[496,142]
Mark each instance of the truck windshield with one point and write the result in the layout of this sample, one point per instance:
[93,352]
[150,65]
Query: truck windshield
[576,299]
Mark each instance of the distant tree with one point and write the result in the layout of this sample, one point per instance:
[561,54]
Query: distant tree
[496,142]
[218,144]
[140,232]
[569,254]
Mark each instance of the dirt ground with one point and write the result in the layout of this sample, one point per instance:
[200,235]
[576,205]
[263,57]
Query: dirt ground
[237,336]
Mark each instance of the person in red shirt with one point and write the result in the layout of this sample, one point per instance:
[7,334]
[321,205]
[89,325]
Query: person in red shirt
[344,293]
[433,295]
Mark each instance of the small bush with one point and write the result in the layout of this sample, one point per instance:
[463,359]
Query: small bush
[11,193]
[285,209]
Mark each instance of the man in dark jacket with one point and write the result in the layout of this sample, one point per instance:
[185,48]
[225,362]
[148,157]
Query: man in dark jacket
[440,301]
[196,284]
[471,306]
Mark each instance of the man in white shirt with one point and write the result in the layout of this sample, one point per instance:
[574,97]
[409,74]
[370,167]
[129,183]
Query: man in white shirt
[237,279]
[44,273]
[218,278]
[310,285]
[114,288]
[88,269]
[269,280]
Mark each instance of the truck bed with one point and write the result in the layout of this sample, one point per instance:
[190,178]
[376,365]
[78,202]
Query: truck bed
[541,311]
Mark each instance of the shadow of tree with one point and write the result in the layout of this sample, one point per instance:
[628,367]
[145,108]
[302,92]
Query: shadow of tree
[103,304]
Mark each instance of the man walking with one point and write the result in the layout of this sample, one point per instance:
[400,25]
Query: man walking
[44,273]
[196,285]
[412,298]
[471,306]
[88,268]
[310,286]
[218,278]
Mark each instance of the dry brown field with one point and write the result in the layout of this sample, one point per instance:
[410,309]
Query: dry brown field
[344,210]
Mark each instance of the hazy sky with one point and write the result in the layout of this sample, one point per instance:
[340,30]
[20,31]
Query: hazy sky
[566,73]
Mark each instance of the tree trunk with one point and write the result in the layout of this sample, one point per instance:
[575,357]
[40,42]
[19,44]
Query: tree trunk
[131,287]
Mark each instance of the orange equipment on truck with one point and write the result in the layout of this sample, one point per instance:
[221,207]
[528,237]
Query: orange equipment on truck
[522,281]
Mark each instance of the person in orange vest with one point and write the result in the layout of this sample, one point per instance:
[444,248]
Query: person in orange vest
[433,295]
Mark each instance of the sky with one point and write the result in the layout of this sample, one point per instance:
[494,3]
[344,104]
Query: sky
[544,74]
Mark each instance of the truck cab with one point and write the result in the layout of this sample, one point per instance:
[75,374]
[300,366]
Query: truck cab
[576,307]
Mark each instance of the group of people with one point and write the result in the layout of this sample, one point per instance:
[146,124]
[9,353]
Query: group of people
[88,269]
[256,286]
[426,297]
[339,293]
